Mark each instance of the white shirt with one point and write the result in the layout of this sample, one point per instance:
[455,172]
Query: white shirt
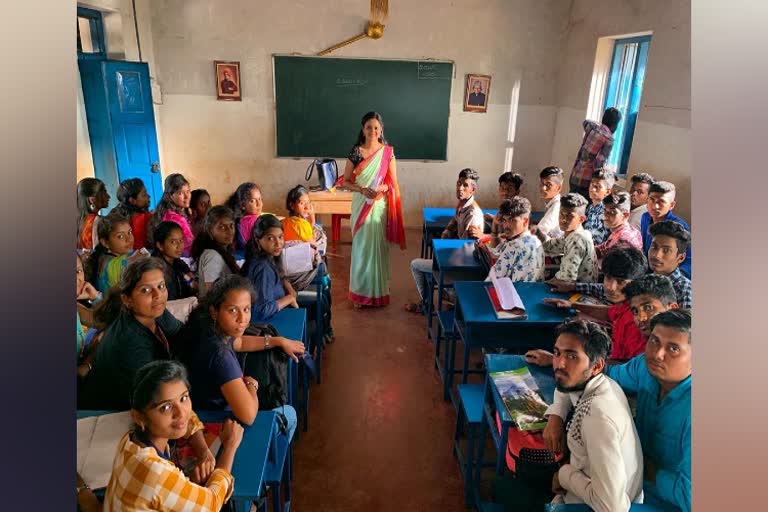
[606,466]
[211,267]
[636,214]
[550,222]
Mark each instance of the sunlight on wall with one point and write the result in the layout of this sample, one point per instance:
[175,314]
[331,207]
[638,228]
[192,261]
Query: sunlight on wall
[510,143]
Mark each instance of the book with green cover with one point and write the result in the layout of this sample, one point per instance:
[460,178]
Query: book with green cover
[520,394]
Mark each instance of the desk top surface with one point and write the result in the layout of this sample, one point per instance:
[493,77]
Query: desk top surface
[476,306]
[440,217]
[290,323]
[252,454]
[327,195]
[451,254]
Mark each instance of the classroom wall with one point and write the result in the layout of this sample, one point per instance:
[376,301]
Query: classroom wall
[219,144]
[662,141]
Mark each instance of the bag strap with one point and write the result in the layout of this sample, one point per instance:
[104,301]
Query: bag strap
[308,174]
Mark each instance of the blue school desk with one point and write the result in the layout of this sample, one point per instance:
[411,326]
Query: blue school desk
[256,450]
[291,323]
[435,221]
[477,326]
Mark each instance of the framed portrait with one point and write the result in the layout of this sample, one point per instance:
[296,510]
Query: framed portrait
[227,80]
[476,93]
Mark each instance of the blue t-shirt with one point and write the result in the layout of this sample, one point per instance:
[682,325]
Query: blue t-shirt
[212,365]
[267,285]
[645,230]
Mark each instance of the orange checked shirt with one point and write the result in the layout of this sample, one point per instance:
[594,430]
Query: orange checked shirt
[142,481]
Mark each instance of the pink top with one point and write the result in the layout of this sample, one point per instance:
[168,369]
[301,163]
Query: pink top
[246,226]
[623,235]
[186,230]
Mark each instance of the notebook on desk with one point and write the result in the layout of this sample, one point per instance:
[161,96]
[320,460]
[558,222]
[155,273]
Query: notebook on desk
[506,302]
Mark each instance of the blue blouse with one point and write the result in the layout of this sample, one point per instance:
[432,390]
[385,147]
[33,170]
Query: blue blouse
[268,287]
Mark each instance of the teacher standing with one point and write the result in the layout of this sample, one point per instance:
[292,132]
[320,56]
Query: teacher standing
[377,213]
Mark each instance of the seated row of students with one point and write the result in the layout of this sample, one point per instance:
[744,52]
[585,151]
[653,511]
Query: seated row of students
[613,460]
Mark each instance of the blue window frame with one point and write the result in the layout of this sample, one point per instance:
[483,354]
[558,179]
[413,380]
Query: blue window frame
[90,34]
[625,87]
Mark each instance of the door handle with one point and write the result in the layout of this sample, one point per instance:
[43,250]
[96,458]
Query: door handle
[154,168]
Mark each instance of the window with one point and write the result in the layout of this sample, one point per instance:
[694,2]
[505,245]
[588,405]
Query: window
[90,34]
[625,87]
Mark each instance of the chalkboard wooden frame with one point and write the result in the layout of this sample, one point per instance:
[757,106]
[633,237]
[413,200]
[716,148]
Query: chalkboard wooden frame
[436,151]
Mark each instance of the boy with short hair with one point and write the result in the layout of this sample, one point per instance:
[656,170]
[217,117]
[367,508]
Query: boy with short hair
[670,240]
[600,186]
[579,262]
[509,187]
[467,222]
[550,185]
[615,218]
[594,151]
[661,380]
[638,191]
[661,202]
[518,254]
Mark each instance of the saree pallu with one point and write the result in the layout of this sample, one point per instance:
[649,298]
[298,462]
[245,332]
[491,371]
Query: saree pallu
[375,224]
[86,233]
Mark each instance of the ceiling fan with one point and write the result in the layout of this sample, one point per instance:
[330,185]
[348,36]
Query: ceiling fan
[374,29]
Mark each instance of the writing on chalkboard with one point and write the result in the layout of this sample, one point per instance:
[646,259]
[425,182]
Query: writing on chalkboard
[431,71]
[350,82]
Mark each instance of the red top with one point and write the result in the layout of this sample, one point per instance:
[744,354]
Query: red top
[628,341]
[139,228]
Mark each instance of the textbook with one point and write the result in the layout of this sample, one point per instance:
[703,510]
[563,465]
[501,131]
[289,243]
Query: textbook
[520,394]
[580,298]
[507,304]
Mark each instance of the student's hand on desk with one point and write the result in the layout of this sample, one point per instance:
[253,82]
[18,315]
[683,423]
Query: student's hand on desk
[87,292]
[554,434]
[558,303]
[560,286]
[290,347]
[231,434]
[539,357]
[204,468]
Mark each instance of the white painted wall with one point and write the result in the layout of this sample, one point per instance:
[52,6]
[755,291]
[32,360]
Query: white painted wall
[218,144]
[662,140]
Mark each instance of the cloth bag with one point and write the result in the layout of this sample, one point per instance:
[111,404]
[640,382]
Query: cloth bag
[327,173]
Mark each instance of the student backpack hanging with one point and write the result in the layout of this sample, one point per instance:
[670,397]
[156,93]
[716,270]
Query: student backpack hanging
[268,367]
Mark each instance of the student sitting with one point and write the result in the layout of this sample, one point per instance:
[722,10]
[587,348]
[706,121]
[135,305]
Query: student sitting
[550,185]
[199,203]
[134,205]
[174,207]
[622,265]
[579,262]
[262,267]
[114,251]
[509,187]
[169,244]
[138,330]
[467,223]
[92,197]
[211,338]
[84,291]
[615,215]
[668,249]
[213,249]
[300,225]
[638,191]
[661,202]
[518,254]
[144,476]
[599,188]
[247,205]
[594,151]
[661,380]
[605,467]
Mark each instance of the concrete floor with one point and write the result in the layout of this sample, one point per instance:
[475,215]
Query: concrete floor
[380,436]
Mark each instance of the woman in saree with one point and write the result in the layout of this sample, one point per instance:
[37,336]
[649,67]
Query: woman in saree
[377,214]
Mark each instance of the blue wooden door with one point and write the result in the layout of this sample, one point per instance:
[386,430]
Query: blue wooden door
[132,119]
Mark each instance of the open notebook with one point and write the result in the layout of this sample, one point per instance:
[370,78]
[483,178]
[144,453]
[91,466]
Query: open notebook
[506,302]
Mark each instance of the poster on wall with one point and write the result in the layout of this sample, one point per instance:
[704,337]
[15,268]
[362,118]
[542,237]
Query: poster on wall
[228,80]
[476,93]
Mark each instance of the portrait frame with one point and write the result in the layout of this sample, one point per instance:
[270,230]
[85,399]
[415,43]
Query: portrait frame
[471,102]
[224,91]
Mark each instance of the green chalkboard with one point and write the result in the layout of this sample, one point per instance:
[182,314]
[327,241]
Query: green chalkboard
[321,100]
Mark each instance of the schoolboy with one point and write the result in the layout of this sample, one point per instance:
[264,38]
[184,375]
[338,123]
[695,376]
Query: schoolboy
[467,222]
[600,186]
[661,202]
[550,185]
[638,191]
[661,380]
[594,151]
[518,254]
[509,187]
[579,262]
[615,218]
[670,240]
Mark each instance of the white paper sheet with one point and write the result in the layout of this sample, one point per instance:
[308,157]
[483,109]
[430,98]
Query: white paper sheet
[97,440]
[508,296]
[297,258]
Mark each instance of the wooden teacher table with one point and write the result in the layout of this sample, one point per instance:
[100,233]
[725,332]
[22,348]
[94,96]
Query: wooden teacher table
[338,204]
